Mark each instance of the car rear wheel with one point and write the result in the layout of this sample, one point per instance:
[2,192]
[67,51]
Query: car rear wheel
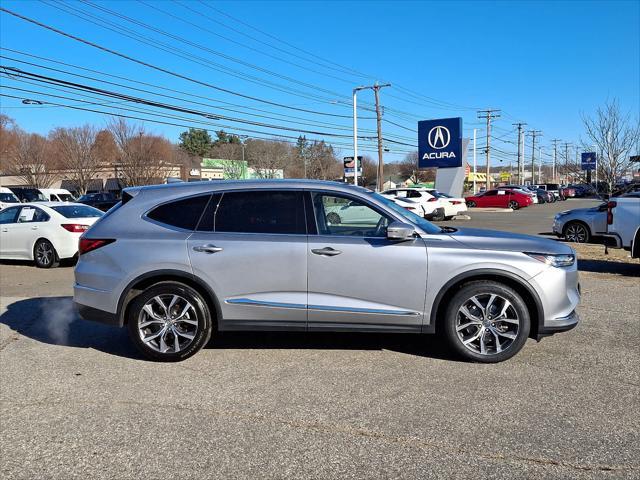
[45,255]
[487,322]
[513,205]
[169,322]
[576,232]
[471,204]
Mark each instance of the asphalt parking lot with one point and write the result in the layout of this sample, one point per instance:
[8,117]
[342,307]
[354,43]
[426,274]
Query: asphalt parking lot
[76,400]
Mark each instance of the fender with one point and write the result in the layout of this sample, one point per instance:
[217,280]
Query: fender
[166,273]
[479,273]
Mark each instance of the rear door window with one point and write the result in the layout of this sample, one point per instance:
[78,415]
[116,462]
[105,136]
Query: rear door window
[184,213]
[261,212]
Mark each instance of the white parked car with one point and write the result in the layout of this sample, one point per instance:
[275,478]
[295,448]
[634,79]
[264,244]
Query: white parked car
[434,209]
[7,198]
[413,205]
[623,222]
[44,233]
[58,195]
[452,205]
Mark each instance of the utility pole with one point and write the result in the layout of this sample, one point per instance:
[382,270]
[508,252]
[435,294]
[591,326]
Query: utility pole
[488,115]
[555,158]
[520,169]
[566,161]
[376,91]
[533,134]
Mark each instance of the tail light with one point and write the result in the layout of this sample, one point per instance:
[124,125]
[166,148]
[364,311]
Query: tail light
[432,199]
[455,202]
[610,207]
[75,227]
[88,244]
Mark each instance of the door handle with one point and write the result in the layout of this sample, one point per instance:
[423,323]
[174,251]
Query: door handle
[326,251]
[34,227]
[5,229]
[207,249]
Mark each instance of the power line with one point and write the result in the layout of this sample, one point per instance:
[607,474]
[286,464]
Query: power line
[488,115]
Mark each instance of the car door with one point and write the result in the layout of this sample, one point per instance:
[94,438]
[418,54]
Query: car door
[251,248]
[357,277]
[488,199]
[28,229]
[8,218]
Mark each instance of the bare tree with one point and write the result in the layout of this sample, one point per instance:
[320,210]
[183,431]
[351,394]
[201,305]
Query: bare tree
[78,154]
[410,169]
[615,135]
[268,156]
[32,160]
[144,159]
[8,139]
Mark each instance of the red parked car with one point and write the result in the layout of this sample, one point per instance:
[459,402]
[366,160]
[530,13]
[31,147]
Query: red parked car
[499,198]
[568,192]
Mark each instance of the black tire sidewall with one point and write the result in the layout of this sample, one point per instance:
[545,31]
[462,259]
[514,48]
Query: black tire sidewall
[483,287]
[205,327]
[55,261]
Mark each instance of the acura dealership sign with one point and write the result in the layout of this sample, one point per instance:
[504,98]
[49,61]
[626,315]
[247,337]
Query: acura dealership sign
[440,143]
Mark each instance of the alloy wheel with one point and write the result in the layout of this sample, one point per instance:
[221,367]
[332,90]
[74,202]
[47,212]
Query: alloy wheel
[487,324]
[576,233]
[513,205]
[167,323]
[44,253]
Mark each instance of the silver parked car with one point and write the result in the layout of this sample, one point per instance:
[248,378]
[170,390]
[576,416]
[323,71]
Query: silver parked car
[176,263]
[580,225]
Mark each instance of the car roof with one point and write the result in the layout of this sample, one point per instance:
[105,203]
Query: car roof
[56,204]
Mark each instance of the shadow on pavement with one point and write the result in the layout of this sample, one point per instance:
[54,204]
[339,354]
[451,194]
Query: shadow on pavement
[52,320]
[605,266]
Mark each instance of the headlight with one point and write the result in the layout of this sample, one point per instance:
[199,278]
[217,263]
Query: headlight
[563,260]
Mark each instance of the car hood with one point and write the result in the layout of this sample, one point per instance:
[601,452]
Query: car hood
[513,242]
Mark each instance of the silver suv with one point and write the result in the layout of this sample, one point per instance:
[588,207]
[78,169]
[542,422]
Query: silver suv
[176,263]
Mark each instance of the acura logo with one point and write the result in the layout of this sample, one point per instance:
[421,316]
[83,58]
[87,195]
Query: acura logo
[439,137]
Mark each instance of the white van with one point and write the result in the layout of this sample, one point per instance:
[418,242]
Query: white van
[58,195]
[7,198]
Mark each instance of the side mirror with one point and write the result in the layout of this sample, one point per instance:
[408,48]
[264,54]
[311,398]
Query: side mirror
[398,231]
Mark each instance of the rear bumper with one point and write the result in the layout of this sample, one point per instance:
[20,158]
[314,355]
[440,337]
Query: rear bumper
[96,315]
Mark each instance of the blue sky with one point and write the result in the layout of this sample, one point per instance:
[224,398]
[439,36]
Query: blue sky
[543,62]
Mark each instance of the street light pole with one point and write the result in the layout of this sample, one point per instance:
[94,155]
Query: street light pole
[475,130]
[355,136]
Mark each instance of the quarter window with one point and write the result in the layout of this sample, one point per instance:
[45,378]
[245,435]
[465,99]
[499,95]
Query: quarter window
[261,212]
[184,213]
[337,215]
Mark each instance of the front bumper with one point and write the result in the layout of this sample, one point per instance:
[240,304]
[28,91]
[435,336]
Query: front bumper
[558,325]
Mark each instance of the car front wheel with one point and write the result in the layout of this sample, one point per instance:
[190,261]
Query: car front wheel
[576,232]
[169,322]
[513,205]
[486,322]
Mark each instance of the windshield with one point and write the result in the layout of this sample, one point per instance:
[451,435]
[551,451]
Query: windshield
[9,198]
[428,227]
[65,197]
[88,196]
[78,211]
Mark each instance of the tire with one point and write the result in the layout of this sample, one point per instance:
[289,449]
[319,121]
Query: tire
[438,215]
[192,332]
[45,255]
[333,218]
[471,204]
[576,232]
[513,205]
[511,336]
